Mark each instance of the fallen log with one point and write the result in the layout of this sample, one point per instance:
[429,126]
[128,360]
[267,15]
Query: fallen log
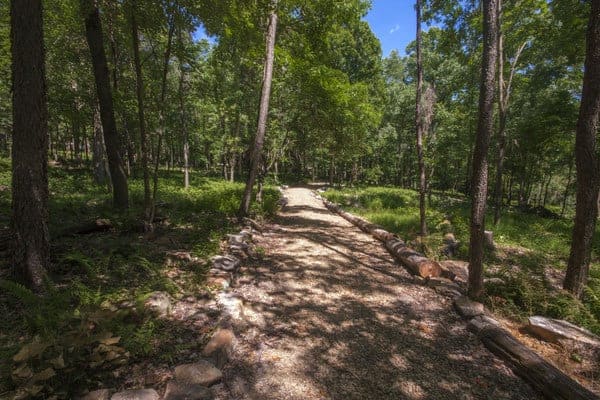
[85,228]
[416,263]
[540,374]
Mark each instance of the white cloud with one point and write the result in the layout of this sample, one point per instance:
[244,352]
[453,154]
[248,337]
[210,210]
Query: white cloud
[395,28]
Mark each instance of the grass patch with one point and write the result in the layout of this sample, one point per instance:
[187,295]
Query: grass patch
[528,247]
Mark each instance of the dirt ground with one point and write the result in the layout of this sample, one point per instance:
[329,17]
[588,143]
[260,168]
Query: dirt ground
[328,315]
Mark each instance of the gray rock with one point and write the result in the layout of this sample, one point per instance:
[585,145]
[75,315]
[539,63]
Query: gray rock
[226,263]
[140,394]
[468,308]
[488,237]
[553,330]
[102,394]
[201,373]
[159,304]
[219,347]
[181,391]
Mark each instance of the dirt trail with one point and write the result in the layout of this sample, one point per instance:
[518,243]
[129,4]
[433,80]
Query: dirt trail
[329,315]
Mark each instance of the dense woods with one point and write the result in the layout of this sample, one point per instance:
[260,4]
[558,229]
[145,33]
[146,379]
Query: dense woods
[496,103]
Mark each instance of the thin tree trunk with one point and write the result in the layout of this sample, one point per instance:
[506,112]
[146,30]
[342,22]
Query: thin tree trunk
[161,117]
[263,112]
[186,145]
[30,143]
[586,160]
[419,126]
[139,80]
[567,187]
[480,161]
[98,159]
[94,38]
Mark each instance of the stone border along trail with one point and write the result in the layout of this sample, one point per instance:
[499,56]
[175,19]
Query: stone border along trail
[328,314]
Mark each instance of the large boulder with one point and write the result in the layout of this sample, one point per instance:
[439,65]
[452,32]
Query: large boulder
[159,304]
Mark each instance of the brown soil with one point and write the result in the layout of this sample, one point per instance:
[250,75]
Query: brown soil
[328,315]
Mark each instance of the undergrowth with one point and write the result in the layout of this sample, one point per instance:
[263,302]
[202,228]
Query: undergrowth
[87,316]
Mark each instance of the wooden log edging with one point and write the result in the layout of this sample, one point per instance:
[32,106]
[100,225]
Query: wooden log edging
[415,262]
[526,363]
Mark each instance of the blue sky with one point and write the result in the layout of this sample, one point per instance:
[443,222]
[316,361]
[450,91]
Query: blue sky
[393,22]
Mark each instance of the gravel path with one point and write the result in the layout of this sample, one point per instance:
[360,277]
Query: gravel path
[328,315]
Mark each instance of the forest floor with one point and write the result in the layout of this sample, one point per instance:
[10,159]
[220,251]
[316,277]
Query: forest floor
[329,314]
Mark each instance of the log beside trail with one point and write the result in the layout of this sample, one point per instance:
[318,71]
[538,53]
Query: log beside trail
[415,262]
[539,373]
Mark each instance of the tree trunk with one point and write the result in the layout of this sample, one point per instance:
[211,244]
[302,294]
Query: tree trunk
[161,117]
[93,30]
[30,143]
[419,126]
[501,120]
[98,158]
[586,161]
[185,135]
[567,187]
[263,113]
[139,89]
[482,143]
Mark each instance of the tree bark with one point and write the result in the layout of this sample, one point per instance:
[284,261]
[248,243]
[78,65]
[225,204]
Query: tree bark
[30,143]
[419,125]
[586,161]
[263,113]
[93,30]
[482,143]
[139,90]
[98,153]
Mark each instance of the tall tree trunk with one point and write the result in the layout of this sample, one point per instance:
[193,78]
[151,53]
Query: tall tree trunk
[586,161]
[98,159]
[93,30]
[263,112]
[567,187]
[185,135]
[30,143]
[139,80]
[419,125]
[482,143]
[161,115]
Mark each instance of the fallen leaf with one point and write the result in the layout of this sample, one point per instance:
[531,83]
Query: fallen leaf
[30,351]
[22,372]
[43,375]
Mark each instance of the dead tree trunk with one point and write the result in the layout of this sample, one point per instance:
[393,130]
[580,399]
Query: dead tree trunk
[93,30]
[30,143]
[419,126]
[263,113]
[586,161]
[482,143]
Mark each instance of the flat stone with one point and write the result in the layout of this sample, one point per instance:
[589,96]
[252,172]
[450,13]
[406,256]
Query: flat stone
[468,308]
[219,347]
[158,303]
[102,394]
[139,394]
[226,263]
[553,330]
[181,391]
[236,239]
[201,373]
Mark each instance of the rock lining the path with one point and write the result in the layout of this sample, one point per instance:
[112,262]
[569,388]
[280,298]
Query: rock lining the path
[138,394]
[200,373]
[554,330]
[179,391]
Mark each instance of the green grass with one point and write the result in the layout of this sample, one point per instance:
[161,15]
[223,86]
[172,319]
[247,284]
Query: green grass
[92,274]
[529,242]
